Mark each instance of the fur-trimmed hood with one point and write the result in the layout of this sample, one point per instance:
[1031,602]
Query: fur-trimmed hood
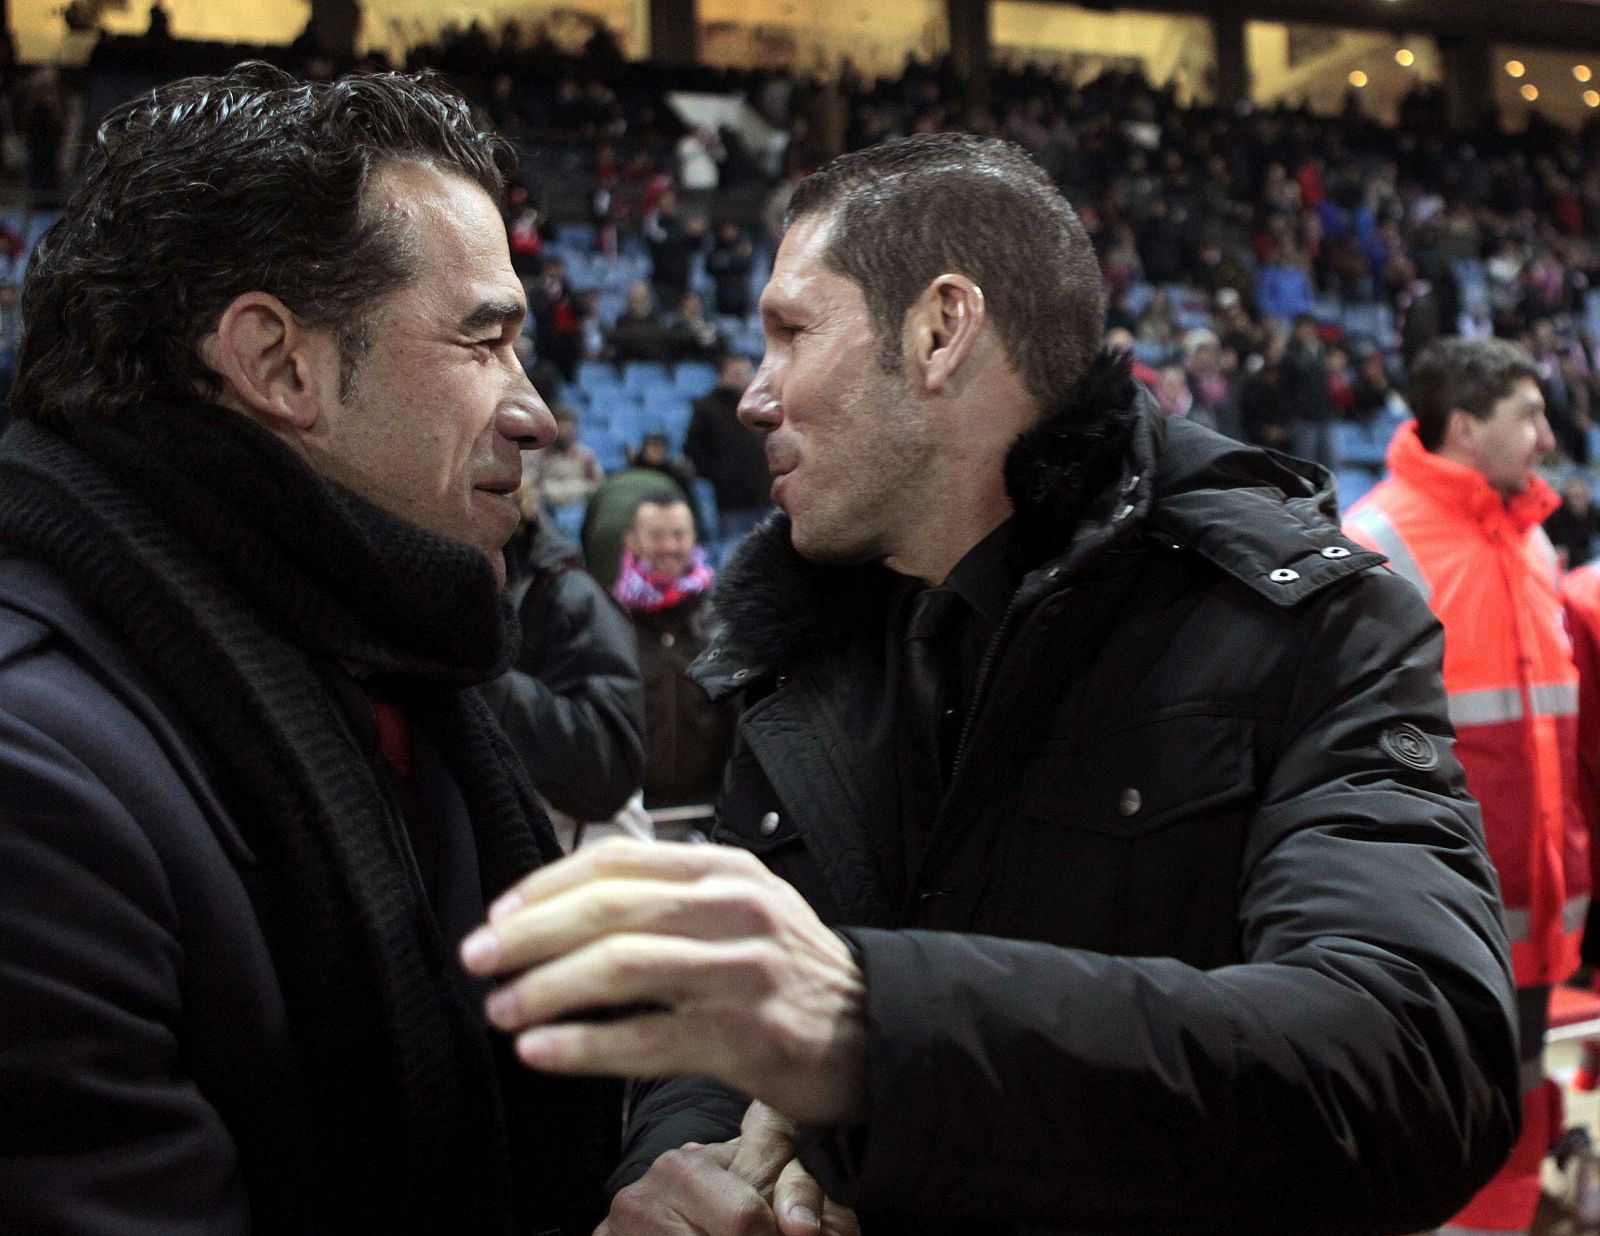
[1082,481]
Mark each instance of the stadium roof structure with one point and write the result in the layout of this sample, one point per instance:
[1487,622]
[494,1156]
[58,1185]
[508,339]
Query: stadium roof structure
[1567,24]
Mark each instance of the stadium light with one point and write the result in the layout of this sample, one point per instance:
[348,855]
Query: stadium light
[1582,72]
[1405,58]
[1530,92]
[1516,68]
[1358,79]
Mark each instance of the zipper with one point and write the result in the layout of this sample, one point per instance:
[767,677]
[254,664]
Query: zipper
[985,673]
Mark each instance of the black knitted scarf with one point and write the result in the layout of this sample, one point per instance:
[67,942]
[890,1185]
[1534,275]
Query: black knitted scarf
[231,569]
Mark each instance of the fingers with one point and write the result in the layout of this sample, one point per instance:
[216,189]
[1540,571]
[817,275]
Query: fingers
[648,1042]
[690,1192]
[839,1220]
[797,1201]
[766,1144]
[715,906]
[622,970]
[621,858]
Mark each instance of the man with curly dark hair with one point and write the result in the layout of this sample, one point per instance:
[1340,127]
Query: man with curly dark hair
[251,528]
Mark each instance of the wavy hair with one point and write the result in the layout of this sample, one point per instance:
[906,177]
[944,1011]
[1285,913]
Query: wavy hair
[211,187]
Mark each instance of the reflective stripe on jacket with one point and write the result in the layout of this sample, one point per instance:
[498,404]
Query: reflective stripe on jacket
[1487,570]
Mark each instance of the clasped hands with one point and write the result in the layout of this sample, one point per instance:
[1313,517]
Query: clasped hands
[751,1186]
[649,959]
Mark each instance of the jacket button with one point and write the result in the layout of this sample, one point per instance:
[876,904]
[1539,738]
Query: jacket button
[1130,802]
[740,675]
[667,639]
[769,824]
[1336,551]
[1283,575]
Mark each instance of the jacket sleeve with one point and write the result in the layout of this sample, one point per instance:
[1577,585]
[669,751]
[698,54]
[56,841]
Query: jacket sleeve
[667,1113]
[103,1131]
[573,706]
[1355,1073]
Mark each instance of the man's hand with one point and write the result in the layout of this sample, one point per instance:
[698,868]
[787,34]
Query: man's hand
[721,968]
[751,1186]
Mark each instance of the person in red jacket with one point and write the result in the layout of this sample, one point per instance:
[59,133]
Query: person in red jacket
[1460,518]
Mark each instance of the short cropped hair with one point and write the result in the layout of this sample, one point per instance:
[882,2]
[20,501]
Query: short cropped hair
[657,497]
[1470,374]
[211,187]
[907,211]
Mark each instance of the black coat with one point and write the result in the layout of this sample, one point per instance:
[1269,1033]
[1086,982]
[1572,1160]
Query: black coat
[573,703]
[726,453]
[688,736]
[1205,938]
[149,1078]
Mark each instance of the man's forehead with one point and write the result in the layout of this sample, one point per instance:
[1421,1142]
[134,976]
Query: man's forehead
[798,271]
[662,512]
[460,239]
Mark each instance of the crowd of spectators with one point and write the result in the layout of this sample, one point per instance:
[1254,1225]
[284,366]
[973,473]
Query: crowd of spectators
[1273,270]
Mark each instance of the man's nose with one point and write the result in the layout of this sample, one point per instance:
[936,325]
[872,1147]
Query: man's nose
[759,408]
[526,419]
[1547,437]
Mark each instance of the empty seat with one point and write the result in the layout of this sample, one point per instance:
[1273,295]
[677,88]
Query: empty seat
[598,376]
[694,378]
[638,375]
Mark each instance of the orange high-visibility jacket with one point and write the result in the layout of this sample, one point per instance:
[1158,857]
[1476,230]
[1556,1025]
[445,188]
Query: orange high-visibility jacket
[1580,590]
[1487,570]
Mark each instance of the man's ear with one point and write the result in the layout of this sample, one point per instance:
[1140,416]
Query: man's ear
[946,321]
[1460,434]
[273,367]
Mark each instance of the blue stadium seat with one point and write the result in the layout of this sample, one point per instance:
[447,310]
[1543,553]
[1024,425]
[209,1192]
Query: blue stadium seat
[676,418]
[610,449]
[1358,446]
[637,375]
[1353,484]
[694,378]
[656,397]
[630,422]
[598,376]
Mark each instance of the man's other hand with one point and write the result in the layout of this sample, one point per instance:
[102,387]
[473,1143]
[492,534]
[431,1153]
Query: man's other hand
[751,1186]
[653,959]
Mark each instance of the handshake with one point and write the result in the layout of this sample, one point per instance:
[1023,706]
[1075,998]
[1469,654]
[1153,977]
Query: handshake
[650,959]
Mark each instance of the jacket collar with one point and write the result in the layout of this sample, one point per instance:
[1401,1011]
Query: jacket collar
[1089,484]
[1465,490]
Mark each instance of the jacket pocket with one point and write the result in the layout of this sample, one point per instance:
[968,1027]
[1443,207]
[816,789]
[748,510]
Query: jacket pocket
[749,815]
[1144,778]
[1130,844]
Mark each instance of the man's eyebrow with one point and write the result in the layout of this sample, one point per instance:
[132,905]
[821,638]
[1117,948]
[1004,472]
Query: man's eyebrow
[493,313]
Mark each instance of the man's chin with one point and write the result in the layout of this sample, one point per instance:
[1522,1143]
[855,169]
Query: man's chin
[827,550]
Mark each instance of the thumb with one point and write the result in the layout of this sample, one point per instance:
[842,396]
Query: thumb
[766,1143]
[797,1201]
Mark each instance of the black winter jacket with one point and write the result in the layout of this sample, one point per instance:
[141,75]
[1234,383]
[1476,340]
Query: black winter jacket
[573,703]
[1205,938]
